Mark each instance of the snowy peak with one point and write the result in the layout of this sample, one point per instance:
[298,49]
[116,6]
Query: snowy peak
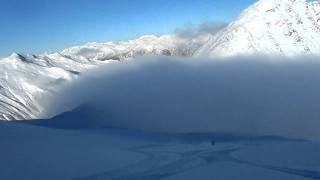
[279,27]
[122,50]
[16,56]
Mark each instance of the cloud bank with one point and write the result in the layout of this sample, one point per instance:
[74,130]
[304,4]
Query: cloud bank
[190,31]
[253,96]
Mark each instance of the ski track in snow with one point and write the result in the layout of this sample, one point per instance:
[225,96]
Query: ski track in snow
[110,154]
[160,164]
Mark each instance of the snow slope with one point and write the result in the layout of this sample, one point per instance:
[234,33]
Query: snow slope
[276,27]
[26,80]
[36,152]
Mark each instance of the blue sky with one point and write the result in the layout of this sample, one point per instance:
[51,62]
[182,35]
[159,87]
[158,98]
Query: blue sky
[36,26]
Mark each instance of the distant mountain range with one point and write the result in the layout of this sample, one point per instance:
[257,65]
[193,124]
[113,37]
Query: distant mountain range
[269,27]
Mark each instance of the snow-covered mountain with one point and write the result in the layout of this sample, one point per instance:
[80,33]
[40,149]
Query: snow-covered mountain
[26,80]
[279,27]
[168,45]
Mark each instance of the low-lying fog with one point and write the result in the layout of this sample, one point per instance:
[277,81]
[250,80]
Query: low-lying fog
[243,95]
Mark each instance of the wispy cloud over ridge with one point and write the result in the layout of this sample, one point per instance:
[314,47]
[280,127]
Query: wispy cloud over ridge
[206,28]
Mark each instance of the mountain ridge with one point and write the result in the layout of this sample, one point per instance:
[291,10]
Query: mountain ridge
[271,27]
[25,80]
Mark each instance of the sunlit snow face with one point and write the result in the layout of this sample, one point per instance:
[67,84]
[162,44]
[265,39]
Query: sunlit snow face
[252,96]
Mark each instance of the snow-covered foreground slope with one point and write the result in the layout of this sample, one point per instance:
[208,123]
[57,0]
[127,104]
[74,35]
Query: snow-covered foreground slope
[43,152]
[276,27]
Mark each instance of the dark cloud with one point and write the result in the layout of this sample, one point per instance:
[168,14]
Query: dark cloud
[250,96]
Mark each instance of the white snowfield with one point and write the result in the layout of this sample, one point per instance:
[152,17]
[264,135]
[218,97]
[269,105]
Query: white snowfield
[281,27]
[35,152]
